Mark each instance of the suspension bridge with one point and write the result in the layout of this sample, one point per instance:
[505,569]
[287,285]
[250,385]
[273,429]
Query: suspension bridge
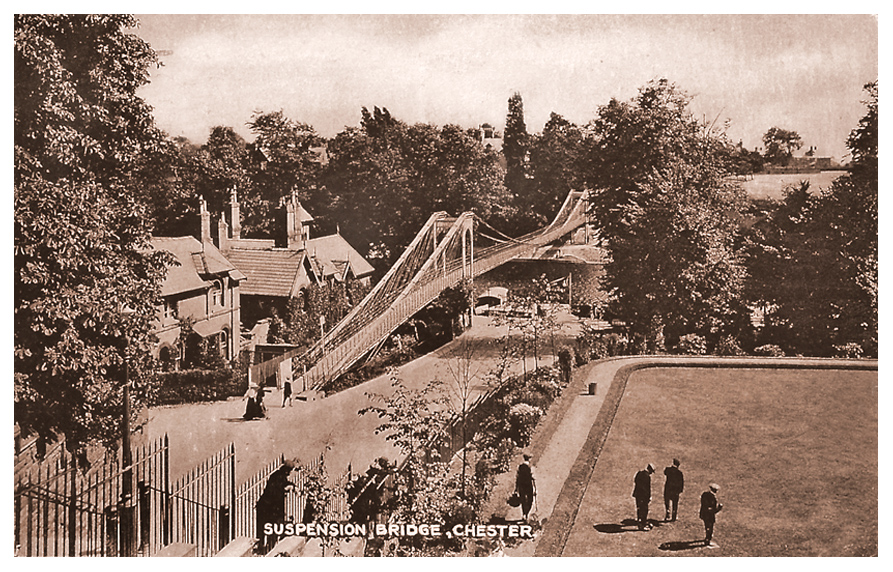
[441,256]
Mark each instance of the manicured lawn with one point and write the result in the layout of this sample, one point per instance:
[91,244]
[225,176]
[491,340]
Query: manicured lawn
[795,452]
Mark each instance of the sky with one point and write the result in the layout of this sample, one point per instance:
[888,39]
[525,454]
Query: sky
[798,72]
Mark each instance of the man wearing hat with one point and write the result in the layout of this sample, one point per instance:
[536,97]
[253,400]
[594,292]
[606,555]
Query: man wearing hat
[672,489]
[709,507]
[642,494]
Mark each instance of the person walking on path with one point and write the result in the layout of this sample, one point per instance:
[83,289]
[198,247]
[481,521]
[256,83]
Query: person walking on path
[709,507]
[525,486]
[672,489]
[642,494]
[286,393]
[252,410]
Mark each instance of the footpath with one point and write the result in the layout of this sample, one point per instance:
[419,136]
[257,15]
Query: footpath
[330,425]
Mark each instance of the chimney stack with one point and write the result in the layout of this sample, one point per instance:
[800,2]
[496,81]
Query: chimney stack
[293,233]
[235,216]
[222,233]
[205,220]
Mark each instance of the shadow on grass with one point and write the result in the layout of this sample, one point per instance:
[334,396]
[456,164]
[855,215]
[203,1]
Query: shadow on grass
[682,545]
[626,525]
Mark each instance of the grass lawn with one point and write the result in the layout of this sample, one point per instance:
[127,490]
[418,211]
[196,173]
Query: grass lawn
[795,453]
[765,186]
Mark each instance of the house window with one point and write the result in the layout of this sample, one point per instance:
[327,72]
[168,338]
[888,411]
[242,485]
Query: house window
[169,309]
[224,344]
[216,294]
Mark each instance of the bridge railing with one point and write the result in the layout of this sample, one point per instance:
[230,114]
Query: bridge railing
[390,304]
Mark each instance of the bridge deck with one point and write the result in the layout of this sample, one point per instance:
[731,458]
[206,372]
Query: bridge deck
[437,259]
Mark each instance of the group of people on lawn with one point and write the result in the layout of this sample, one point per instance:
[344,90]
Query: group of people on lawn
[675,483]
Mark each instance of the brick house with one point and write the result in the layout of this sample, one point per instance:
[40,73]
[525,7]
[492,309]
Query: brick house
[282,268]
[202,290]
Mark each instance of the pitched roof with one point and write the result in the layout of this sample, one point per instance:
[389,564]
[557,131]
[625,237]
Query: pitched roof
[271,272]
[333,252]
[197,264]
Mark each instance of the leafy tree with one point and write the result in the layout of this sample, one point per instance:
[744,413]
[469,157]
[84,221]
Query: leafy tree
[300,322]
[368,183]
[287,157]
[86,283]
[221,165]
[669,217]
[416,421]
[813,260]
[385,179]
[780,145]
[165,181]
[744,162]
[554,166]
[318,494]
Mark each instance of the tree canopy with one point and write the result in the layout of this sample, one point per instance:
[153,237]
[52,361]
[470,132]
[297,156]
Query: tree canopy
[780,145]
[667,214]
[813,261]
[86,283]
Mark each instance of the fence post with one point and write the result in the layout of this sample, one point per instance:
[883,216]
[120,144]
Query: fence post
[111,531]
[232,492]
[72,507]
[142,489]
[166,495]
[223,528]
[126,524]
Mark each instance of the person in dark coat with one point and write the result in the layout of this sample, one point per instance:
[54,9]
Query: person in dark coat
[270,507]
[525,486]
[642,494]
[672,489]
[261,392]
[286,393]
[709,507]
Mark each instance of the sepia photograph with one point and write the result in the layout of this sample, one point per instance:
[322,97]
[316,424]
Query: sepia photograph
[445,285]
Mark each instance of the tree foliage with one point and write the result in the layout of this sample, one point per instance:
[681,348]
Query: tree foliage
[515,147]
[86,283]
[554,169]
[780,144]
[385,178]
[668,216]
[813,259]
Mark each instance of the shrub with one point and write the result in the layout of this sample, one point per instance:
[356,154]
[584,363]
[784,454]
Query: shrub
[768,350]
[692,344]
[615,345]
[196,385]
[523,418]
[851,350]
[729,346]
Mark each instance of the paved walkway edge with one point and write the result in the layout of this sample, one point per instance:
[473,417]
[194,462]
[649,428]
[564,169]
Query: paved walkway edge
[559,525]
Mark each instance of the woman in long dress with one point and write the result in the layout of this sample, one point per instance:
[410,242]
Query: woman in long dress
[252,410]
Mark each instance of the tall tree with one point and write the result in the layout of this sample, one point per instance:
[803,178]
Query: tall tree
[780,145]
[86,283]
[287,158]
[814,259]
[368,181]
[515,148]
[554,167]
[384,179]
[668,216]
